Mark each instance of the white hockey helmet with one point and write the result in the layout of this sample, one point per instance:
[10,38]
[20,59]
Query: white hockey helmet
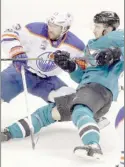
[61,19]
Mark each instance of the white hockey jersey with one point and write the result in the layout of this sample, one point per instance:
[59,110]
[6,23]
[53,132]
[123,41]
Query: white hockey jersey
[36,43]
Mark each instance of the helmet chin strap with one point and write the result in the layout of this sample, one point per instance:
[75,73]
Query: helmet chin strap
[62,33]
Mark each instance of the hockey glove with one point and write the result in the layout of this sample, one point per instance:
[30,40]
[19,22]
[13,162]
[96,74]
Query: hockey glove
[62,59]
[18,53]
[108,56]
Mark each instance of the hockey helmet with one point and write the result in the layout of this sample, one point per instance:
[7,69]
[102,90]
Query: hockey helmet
[108,18]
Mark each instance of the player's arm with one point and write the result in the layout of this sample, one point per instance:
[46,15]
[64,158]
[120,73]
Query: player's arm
[77,74]
[11,39]
[11,45]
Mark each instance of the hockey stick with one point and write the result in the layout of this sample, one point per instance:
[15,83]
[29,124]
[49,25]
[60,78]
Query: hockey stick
[27,106]
[19,59]
[51,58]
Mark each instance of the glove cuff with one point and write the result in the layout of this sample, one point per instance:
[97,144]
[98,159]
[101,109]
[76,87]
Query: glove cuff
[72,66]
[16,51]
[82,64]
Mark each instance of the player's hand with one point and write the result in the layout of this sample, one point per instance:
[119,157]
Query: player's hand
[19,63]
[62,59]
[108,56]
[16,53]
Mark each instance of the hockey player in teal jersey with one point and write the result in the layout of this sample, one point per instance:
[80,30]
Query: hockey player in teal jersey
[98,83]
[98,87]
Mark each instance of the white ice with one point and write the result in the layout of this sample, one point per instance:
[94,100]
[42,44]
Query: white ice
[56,142]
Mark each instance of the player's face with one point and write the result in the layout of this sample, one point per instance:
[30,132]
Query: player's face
[54,31]
[98,30]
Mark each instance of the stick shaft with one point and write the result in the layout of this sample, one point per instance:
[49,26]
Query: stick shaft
[20,59]
[27,106]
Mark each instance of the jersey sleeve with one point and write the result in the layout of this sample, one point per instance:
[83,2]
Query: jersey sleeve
[77,74]
[11,39]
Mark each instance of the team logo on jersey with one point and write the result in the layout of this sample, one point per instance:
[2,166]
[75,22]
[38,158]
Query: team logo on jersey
[45,64]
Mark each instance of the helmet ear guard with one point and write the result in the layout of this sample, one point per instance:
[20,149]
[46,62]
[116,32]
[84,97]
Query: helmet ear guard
[65,29]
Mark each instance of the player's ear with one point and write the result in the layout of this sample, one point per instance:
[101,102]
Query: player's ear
[107,30]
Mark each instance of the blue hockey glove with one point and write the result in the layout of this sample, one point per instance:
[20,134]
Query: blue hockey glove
[18,53]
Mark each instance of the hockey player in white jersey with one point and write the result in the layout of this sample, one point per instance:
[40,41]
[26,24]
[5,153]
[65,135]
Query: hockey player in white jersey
[37,40]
